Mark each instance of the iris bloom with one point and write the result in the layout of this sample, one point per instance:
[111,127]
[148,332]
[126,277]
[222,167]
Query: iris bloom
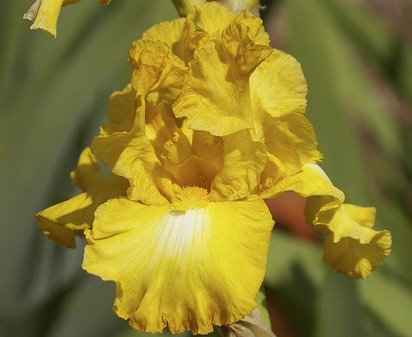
[211,124]
[45,13]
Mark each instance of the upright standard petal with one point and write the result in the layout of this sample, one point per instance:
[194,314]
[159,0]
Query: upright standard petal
[211,17]
[243,162]
[215,95]
[191,265]
[180,36]
[155,67]
[132,157]
[278,86]
[87,171]
[122,111]
[124,148]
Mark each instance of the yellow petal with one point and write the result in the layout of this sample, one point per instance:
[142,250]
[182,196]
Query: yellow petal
[311,181]
[193,161]
[290,142]
[246,41]
[155,67]
[351,245]
[210,100]
[169,32]
[63,221]
[209,149]
[211,17]
[45,13]
[177,34]
[215,96]
[243,162]
[193,158]
[129,153]
[183,270]
[278,86]
[131,156]
[364,216]
[353,248]
[87,171]
[122,111]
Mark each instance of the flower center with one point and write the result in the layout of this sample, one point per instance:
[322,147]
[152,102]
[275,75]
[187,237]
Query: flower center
[190,197]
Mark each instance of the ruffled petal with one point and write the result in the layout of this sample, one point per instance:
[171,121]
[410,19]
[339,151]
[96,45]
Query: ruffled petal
[210,100]
[246,41]
[129,153]
[155,67]
[243,162]
[215,96]
[63,221]
[351,245]
[291,143]
[311,181]
[278,86]
[211,17]
[122,111]
[132,157]
[193,158]
[87,171]
[178,34]
[181,269]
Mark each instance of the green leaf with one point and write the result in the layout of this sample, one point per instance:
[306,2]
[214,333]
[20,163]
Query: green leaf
[295,274]
[390,300]
[339,307]
[377,42]
[60,83]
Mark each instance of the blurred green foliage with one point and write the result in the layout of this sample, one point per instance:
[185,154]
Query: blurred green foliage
[53,97]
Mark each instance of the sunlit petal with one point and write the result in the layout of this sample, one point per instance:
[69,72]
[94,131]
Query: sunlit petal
[181,269]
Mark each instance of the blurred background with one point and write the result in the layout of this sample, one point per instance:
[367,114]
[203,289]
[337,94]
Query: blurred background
[357,58]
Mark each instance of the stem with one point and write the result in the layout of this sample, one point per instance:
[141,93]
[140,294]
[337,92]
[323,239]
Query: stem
[184,7]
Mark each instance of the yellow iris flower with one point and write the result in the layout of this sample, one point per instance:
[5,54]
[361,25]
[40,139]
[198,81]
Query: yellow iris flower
[45,13]
[211,124]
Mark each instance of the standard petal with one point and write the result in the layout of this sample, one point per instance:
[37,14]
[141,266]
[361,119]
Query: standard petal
[278,86]
[87,171]
[177,34]
[291,143]
[63,221]
[155,67]
[211,17]
[210,100]
[122,111]
[243,162]
[131,156]
[215,96]
[182,270]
